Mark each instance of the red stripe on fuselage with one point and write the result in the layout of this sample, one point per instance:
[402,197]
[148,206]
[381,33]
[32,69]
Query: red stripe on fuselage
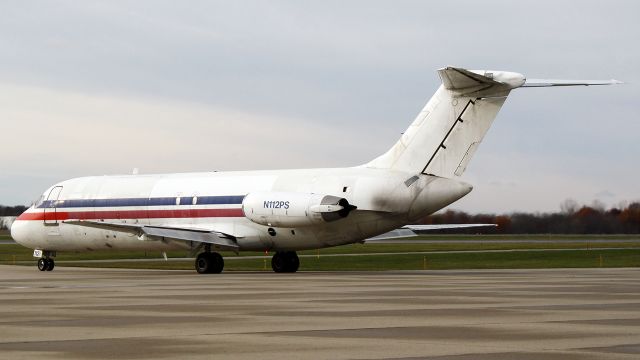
[129,214]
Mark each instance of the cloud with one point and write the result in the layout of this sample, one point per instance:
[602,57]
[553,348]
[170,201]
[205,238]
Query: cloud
[102,87]
[64,134]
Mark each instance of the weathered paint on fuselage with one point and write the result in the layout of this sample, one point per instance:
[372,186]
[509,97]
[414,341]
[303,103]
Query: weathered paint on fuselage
[383,199]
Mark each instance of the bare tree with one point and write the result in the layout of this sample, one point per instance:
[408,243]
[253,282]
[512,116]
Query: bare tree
[569,206]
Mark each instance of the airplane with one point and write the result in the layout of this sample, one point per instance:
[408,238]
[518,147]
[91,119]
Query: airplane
[283,211]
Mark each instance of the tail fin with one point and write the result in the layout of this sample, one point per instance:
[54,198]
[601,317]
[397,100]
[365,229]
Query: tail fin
[447,132]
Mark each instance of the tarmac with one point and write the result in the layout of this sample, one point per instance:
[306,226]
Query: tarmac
[80,313]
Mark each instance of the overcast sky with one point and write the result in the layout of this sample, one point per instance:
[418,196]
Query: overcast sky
[93,88]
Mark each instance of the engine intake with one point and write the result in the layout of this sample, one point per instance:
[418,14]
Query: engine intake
[292,209]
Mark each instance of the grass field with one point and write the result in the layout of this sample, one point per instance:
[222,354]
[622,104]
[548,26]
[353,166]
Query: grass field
[500,251]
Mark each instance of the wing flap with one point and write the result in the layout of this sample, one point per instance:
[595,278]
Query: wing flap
[213,238]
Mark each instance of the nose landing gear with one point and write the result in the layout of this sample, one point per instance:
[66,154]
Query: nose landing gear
[46,264]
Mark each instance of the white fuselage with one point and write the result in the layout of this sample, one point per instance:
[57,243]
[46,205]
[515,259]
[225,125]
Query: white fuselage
[213,201]
[283,210]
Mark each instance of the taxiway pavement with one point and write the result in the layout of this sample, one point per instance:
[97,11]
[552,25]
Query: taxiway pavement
[78,313]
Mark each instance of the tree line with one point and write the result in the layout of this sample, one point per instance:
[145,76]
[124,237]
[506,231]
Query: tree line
[12,210]
[571,219]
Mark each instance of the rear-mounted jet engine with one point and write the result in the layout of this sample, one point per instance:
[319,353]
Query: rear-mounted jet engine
[292,209]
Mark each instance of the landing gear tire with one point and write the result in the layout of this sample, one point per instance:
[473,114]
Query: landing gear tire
[293,262]
[209,263]
[45,264]
[42,264]
[285,262]
[218,263]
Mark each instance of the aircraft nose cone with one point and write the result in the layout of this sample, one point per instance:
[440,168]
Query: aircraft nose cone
[18,231]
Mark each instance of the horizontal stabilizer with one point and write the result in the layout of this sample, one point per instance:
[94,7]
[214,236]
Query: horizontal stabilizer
[458,79]
[480,82]
[554,82]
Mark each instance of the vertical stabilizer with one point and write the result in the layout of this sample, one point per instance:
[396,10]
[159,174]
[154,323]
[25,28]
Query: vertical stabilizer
[445,135]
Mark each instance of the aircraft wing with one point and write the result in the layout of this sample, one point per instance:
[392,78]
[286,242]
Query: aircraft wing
[445,226]
[410,230]
[219,240]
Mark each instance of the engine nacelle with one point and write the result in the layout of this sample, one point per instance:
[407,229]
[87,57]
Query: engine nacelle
[293,209]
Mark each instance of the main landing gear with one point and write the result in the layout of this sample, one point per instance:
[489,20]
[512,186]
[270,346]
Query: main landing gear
[285,262]
[209,263]
[212,263]
[46,264]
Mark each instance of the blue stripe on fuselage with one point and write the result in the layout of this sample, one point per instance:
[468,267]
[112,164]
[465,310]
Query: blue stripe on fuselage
[159,201]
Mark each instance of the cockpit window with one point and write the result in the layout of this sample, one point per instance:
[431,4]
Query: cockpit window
[39,202]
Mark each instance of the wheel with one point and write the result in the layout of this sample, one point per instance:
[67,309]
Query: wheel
[286,261]
[209,263]
[217,263]
[203,263]
[293,262]
[278,263]
[42,264]
[50,264]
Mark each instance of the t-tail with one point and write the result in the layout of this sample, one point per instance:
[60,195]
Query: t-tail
[447,132]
